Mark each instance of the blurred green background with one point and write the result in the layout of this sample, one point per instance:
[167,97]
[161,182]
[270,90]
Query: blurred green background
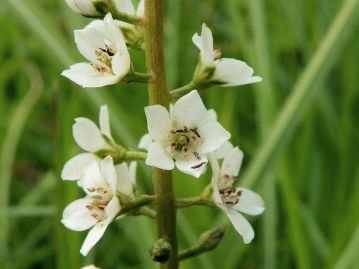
[298,130]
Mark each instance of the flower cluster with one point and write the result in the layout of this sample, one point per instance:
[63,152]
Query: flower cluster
[186,136]
[100,179]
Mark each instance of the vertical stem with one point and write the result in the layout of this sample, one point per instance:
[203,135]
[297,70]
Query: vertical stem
[158,94]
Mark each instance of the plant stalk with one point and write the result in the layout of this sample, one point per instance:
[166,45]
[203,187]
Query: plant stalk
[158,94]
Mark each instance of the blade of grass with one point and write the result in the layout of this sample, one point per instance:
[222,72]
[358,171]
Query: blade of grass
[16,125]
[266,107]
[350,253]
[320,243]
[303,93]
[29,211]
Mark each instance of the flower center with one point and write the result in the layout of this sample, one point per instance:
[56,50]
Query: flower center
[104,56]
[230,196]
[183,140]
[97,208]
[226,181]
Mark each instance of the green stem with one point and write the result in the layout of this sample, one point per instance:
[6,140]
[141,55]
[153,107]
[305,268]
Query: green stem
[141,77]
[130,203]
[146,211]
[191,201]
[158,94]
[176,93]
[127,18]
[137,77]
[135,155]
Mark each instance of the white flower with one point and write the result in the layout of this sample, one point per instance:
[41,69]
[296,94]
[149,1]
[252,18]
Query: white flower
[224,71]
[183,137]
[101,205]
[234,200]
[103,44]
[91,139]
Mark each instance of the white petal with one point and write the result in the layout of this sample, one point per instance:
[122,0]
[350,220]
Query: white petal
[75,167]
[223,150]
[210,115]
[125,184]
[234,72]
[82,7]
[159,123]
[215,195]
[207,46]
[242,226]
[92,178]
[105,121]
[89,39]
[112,209]
[189,110]
[99,229]
[113,32]
[77,217]
[159,157]
[94,236]
[86,76]
[232,162]
[125,6]
[213,136]
[145,142]
[196,39]
[121,63]
[141,8]
[109,173]
[132,169]
[88,136]
[191,165]
[249,202]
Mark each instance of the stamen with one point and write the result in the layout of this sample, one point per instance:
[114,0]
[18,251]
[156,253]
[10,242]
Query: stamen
[195,132]
[217,54]
[102,69]
[198,165]
[197,156]
[185,151]
[111,50]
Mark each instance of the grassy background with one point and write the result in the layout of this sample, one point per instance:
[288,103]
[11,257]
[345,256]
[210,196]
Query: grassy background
[298,130]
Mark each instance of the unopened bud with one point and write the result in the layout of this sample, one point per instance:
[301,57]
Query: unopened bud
[83,7]
[210,239]
[161,251]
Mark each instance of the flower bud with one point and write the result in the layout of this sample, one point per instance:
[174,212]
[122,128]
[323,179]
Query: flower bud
[210,239]
[84,7]
[161,251]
